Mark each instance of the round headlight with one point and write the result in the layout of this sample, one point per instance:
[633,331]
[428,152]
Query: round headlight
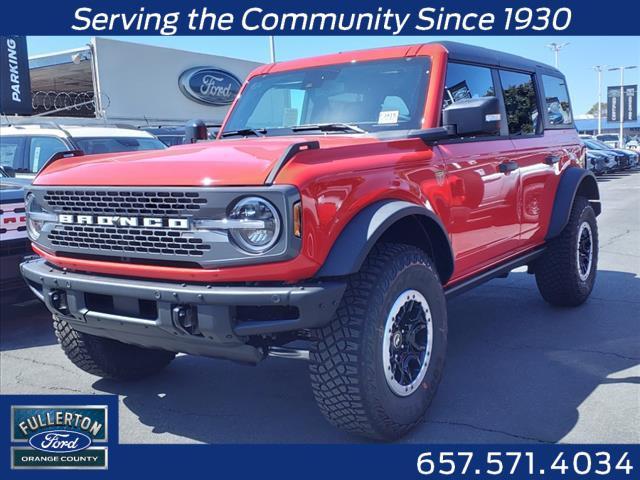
[262,224]
[34,226]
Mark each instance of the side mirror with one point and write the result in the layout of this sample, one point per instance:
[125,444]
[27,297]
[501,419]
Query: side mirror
[473,116]
[468,117]
[195,130]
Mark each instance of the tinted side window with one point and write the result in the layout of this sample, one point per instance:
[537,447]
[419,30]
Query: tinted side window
[520,102]
[11,152]
[42,149]
[467,81]
[557,101]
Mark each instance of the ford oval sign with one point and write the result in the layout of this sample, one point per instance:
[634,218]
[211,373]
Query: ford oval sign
[60,441]
[209,86]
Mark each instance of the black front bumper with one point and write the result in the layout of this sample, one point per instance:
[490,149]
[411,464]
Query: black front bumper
[146,313]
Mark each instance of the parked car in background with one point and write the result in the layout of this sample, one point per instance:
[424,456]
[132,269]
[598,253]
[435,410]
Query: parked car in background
[625,158]
[600,162]
[175,135]
[170,136]
[631,156]
[26,147]
[633,144]
[611,139]
[14,244]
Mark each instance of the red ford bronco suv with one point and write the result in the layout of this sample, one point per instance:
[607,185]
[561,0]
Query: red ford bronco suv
[346,198]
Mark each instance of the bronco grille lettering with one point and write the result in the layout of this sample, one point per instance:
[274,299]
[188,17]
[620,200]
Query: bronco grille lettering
[121,221]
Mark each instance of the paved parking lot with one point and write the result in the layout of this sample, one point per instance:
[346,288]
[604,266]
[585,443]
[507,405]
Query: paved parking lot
[518,370]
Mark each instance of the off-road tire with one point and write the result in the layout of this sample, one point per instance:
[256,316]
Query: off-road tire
[346,366]
[108,358]
[557,271]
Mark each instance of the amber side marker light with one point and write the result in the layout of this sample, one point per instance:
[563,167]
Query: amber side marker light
[297,219]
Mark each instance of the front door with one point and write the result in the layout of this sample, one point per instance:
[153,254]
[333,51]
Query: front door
[483,217]
[483,180]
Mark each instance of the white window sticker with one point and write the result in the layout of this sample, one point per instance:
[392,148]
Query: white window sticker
[36,156]
[389,116]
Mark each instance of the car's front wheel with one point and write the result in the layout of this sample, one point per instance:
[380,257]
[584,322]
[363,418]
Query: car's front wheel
[108,358]
[377,366]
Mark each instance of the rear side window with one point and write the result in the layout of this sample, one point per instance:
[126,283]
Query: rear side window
[557,101]
[467,81]
[520,102]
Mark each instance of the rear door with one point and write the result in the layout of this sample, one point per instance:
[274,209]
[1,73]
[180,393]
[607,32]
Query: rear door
[537,119]
[483,217]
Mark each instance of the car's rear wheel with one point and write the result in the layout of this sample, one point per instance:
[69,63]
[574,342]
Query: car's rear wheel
[377,366]
[566,273]
[108,358]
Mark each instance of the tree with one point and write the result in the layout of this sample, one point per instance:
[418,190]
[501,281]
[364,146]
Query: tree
[594,110]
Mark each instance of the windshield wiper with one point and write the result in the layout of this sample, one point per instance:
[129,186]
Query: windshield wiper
[245,132]
[329,127]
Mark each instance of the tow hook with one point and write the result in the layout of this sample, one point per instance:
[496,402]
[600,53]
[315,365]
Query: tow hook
[185,317]
[58,300]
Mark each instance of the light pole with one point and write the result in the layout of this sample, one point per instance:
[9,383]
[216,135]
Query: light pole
[556,47]
[622,69]
[272,48]
[599,69]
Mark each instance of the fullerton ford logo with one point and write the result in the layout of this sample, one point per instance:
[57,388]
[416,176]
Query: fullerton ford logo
[121,221]
[60,441]
[210,86]
[52,436]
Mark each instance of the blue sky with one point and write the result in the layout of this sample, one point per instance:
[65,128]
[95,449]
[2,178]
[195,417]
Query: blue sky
[576,59]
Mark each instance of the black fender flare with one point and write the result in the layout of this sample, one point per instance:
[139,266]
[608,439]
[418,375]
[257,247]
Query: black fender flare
[363,231]
[573,181]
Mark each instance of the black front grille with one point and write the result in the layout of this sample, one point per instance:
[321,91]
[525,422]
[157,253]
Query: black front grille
[100,202]
[127,240]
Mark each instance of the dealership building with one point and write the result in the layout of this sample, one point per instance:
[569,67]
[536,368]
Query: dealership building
[589,126]
[127,82]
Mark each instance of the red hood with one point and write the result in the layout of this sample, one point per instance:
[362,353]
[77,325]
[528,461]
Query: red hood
[222,162]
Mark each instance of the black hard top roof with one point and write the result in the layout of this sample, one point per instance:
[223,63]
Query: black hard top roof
[472,54]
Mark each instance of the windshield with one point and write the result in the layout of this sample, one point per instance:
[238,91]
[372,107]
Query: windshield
[372,96]
[91,146]
[596,145]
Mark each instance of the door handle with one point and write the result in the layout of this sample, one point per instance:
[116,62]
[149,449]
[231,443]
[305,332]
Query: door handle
[552,159]
[508,166]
